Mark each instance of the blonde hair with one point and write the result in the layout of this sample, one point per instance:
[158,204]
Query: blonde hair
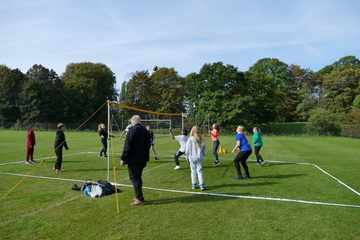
[242,130]
[100,126]
[195,131]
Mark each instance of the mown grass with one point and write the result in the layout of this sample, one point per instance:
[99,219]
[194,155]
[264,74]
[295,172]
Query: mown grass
[48,209]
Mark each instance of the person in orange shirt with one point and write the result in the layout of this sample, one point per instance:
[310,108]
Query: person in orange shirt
[214,137]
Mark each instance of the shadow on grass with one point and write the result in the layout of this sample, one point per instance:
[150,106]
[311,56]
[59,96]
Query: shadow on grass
[282,176]
[186,199]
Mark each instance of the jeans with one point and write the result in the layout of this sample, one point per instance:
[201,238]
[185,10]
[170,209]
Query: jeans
[196,169]
[214,150]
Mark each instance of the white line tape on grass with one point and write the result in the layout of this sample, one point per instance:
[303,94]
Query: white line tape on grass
[202,193]
[38,211]
[336,179]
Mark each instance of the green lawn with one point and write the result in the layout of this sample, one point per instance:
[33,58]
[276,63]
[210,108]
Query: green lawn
[283,200]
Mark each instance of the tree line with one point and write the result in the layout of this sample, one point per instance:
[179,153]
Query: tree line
[269,91]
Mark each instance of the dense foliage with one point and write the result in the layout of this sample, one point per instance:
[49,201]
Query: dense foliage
[270,91]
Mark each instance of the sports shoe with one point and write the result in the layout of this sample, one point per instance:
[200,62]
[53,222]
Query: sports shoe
[100,155]
[216,163]
[104,156]
[193,186]
[137,203]
[60,170]
[27,162]
[177,167]
[54,168]
[246,176]
[32,161]
[238,177]
[262,163]
[156,158]
[202,187]
[256,163]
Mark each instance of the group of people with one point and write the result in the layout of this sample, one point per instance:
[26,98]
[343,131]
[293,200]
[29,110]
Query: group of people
[139,140]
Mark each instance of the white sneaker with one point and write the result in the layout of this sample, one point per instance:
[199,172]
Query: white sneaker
[177,167]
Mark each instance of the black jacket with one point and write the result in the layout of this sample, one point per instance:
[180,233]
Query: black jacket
[137,144]
[59,139]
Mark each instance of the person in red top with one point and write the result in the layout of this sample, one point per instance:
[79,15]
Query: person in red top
[214,137]
[30,144]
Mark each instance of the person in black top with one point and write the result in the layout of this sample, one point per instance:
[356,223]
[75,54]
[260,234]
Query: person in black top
[152,141]
[104,136]
[60,142]
[136,155]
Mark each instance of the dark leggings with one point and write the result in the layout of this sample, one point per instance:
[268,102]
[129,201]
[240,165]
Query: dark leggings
[214,150]
[104,149]
[176,157]
[258,156]
[241,158]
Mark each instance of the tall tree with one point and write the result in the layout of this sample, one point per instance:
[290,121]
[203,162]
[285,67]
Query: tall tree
[11,81]
[41,96]
[341,87]
[163,91]
[87,86]
[348,62]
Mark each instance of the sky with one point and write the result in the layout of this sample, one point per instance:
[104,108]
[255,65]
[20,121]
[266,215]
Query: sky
[129,36]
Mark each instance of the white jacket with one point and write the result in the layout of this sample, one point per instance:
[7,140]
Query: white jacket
[193,153]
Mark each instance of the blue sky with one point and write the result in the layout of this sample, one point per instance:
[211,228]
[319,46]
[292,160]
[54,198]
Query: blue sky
[131,36]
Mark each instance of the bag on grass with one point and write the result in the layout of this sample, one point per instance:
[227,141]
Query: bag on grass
[96,188]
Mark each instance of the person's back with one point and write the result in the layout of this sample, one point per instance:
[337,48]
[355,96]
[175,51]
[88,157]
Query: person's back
[137,144]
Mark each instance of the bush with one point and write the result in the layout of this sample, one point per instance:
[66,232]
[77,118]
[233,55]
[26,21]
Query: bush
[322,122]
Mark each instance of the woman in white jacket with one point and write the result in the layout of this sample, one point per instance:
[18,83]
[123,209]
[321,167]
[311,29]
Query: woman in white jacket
[195,152]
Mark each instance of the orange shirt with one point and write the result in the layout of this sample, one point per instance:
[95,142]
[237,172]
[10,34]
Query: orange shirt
[214,132]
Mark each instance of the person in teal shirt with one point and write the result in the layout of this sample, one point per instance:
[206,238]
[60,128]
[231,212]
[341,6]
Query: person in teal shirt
[257,140]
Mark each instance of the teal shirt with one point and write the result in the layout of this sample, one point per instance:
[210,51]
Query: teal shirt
[257,139]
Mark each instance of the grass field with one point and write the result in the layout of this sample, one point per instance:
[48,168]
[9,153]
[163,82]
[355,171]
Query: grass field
[308,189]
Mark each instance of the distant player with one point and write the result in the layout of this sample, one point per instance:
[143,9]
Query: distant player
[152,141]
[182,139]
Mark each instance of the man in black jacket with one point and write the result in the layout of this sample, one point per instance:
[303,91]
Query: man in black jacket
[136,155]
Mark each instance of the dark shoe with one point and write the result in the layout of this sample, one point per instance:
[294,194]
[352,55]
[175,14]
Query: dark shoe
[100,155]
[32,161]
[156,158]
[246,176]
[216,163]
[105,156]
[137,203]
[238,177]
[262,163]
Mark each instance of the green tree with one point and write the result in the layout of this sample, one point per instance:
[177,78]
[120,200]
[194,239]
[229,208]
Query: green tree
[348,62]
[11,81]
[87,86]
[341,87]
[208,93]
[323,122]
[41,96]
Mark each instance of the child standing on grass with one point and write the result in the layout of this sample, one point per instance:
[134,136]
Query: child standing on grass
[30,144]
[60,142]
[103,138]
[195,152]
[257,140]
[215,139]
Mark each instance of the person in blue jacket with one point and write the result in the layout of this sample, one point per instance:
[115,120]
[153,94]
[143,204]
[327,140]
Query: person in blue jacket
[257,140]
[242,145]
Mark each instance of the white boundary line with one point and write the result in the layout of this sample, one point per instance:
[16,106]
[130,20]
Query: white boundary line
[212,194]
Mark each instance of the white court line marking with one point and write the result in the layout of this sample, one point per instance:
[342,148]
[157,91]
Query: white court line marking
[37,211]
[215,194]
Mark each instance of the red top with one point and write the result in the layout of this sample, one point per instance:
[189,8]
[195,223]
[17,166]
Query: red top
[30,140]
